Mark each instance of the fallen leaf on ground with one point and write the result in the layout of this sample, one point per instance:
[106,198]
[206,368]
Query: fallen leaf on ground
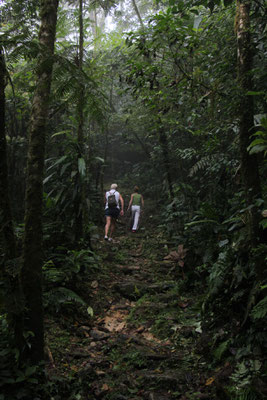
[105,387]
[183,305]
[210,381]
[99,372]
[149,336]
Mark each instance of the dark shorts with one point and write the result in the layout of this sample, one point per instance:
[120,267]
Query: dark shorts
[112,212]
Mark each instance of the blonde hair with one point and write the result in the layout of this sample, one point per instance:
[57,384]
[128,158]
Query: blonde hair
[114,186]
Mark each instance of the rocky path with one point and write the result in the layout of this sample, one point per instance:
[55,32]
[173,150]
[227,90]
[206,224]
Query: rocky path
[141,341]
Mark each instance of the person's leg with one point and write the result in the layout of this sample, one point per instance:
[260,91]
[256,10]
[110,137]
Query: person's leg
[131,219]
[112,226]
[107,226]
[132,216]
[136,217]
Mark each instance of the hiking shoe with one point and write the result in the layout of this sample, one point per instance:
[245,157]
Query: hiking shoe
[106,238]
[133,230]
[110,239]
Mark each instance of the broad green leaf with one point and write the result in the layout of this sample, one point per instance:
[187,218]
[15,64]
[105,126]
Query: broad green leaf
[197,21]
[100,159]
[73,173]
[48,178]
[223,242]
[257,149]
[251,93]
[66,132]
[81,166]
[90,311]
[64,167]
[59,161]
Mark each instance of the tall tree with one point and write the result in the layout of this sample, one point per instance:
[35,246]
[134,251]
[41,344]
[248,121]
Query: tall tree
[78,206]
[249,164]
[7,234]
[32,250]
[7,231]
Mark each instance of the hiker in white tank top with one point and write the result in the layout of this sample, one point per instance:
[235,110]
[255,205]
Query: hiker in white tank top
[112,212]
[136,202]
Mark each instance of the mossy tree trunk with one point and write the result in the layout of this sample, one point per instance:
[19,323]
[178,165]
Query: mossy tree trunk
[31,273]
[249,164]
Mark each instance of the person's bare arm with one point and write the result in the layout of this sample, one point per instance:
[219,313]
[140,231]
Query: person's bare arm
[142,202]
[122,205]
[131,200]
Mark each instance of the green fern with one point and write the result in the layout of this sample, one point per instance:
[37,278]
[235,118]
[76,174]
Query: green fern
[260,309]
[201,164]
[60,296]
[218,273]
[221,349]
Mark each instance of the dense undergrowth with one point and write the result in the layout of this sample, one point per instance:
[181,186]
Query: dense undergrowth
[208,309]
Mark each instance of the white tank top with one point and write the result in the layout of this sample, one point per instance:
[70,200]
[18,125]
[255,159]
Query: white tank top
[117,195]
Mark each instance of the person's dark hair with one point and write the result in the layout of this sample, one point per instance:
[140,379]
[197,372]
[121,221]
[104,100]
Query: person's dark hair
[136,189]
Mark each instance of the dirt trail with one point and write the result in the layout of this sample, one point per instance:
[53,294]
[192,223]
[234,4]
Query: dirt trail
[140,342]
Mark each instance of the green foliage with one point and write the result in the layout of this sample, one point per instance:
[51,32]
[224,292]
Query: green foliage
[16,381]
[221,349]
[132,358]
[63,273]
[259,144]
[173,77]
[260,309]
[69,265]
[242,378]
[56,298]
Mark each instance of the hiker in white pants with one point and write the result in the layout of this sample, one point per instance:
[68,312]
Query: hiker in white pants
[135,205]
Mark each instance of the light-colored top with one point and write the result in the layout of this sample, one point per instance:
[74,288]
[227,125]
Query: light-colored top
[117,196]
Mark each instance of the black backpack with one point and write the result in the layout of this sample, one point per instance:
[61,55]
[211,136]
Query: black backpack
[112,202]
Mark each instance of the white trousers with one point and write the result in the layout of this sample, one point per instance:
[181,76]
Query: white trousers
[135,216]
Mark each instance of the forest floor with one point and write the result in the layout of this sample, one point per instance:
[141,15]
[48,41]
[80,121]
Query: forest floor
[143,339]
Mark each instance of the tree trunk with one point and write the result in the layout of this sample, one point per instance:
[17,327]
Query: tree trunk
[163,141]
[10,271]
[249,164]
[6,223]
[137,13]
[80,137]
[31,273]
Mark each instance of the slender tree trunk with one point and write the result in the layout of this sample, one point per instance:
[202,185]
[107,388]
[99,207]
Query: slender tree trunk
[6,223]
[249,164]
[163,141]
[80,137]
[137,13]
[32,250]
[142,144]
[10,271]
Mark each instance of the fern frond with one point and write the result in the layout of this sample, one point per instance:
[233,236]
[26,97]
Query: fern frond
[260,309]
[201,164]
[59,296]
